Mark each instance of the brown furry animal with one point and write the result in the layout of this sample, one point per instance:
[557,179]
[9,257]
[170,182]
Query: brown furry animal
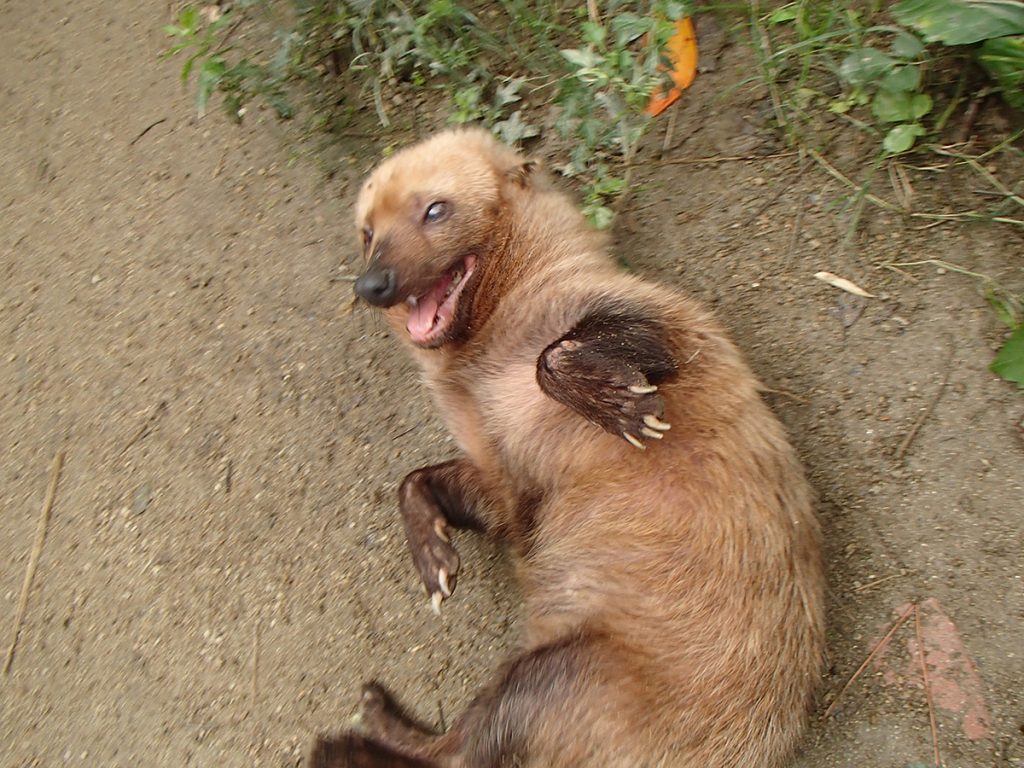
[674,594]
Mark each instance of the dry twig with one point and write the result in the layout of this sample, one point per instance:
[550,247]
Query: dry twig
[33,560]
[723,159]
[255,660]
[878,648]
[927,685]
[876,582]
[902,450]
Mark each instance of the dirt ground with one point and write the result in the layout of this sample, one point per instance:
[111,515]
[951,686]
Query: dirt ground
[224,565]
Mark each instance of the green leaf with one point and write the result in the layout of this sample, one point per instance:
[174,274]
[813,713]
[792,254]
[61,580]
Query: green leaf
[674,11]
[210,75]
[920,105]
[188,19]
[785,13]
[893,106]
[186,68]
[1003,59]
[901,79]
[582,58]
[514,130]
[901,138]
[629,27]
[1009,363]
[593,34]
[508,92]
[900,106]
[961,22]
[865,65]
[906,46]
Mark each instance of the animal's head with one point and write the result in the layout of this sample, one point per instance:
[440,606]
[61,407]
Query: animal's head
[427,217]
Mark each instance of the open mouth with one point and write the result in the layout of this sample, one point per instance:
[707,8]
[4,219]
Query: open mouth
[431,314]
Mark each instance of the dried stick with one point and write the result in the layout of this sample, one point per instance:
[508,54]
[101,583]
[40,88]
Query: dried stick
[723,159]
[255,661]
[33,560]
[879,647]
[902,450]
[927,685]
[876,582]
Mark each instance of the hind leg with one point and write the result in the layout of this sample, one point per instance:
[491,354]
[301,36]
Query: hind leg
[350,750]
[536,710]
[529,713]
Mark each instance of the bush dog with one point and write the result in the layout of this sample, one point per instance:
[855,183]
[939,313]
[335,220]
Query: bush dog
[613,437]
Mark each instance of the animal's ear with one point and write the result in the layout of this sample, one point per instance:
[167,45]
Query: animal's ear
[521,172]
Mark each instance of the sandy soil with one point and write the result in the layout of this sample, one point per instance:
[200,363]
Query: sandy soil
[224,565]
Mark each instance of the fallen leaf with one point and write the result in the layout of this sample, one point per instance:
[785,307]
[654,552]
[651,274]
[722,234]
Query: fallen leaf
[682,52]
[843,284]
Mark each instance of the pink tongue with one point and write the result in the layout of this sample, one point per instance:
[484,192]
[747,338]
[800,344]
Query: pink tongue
[422,316]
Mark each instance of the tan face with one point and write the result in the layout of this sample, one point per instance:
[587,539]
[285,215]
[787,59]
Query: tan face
[426,217]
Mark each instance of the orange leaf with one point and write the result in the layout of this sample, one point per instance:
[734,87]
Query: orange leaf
[682,52]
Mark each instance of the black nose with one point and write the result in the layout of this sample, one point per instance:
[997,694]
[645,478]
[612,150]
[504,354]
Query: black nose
[377,286]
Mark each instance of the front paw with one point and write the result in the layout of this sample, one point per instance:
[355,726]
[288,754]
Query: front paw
[609,392]
[435,560]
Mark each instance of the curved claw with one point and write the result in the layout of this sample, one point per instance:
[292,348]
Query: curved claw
[652,433]
[442,579]
[435,602]
[655,423]
[439,529]
[634,441]
[643,389]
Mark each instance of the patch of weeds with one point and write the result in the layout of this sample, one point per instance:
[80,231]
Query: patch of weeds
[471,105]
[597,65]
[604,97]
[888,66]
[203,37]
[1009,361]
[891,82]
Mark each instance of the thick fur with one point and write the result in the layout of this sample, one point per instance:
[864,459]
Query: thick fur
[674,595]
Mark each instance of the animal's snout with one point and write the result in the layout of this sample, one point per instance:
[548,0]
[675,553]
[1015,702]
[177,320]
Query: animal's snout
[378,285]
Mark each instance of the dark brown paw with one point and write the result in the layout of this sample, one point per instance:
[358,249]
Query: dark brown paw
[435,559]
[350,750]
[377,710]
[612,394]
[383,719]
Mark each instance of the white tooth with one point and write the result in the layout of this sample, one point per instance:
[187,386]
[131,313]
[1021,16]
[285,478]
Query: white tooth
[412,301]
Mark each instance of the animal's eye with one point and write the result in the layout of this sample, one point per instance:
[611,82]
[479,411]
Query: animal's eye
[436,212]
[367,237]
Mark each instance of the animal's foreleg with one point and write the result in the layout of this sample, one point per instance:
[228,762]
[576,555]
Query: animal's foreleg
[432,499]
[608,368]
